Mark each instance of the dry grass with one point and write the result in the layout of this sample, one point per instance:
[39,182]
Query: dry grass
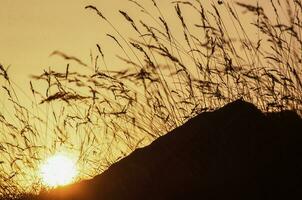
[103,115]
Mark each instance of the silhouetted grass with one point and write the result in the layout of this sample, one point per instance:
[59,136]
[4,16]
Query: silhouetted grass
[102,115]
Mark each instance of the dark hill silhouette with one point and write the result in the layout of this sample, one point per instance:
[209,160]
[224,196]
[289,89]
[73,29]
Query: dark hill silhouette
[236,152]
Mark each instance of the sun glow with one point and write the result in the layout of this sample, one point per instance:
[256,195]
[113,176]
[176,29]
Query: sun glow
[58,170]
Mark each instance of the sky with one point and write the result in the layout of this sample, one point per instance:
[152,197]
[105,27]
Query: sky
[31,30]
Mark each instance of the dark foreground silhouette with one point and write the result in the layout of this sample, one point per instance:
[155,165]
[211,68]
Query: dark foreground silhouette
[236,152]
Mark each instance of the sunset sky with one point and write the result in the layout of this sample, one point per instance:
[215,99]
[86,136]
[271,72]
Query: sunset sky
[31,30]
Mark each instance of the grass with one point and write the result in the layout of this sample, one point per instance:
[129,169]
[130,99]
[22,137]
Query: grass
[102,115]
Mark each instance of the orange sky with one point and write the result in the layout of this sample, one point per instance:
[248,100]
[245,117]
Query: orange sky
[32,29]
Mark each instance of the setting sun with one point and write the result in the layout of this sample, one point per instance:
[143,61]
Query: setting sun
[58,170]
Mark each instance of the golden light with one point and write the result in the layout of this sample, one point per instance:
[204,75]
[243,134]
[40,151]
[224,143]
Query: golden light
[58,170]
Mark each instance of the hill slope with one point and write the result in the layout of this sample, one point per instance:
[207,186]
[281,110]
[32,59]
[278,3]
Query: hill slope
[236,152]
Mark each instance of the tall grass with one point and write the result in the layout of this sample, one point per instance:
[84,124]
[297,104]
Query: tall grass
[102,115]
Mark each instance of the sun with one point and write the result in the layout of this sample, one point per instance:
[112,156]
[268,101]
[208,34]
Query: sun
[58,170]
